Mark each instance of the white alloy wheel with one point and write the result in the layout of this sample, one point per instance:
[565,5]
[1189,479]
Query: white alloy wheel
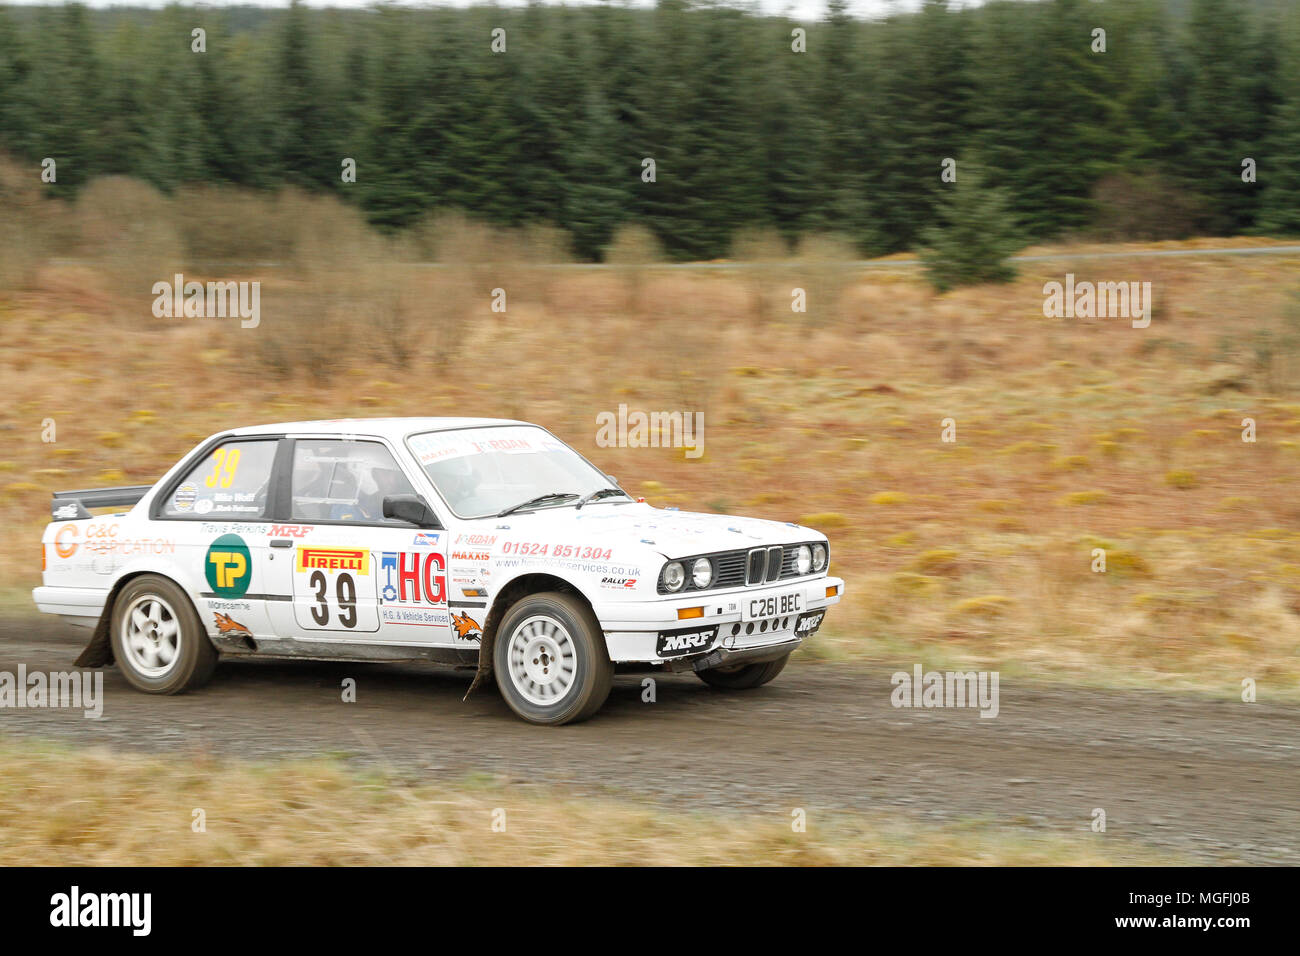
[543,660]
[152,636]
[550,660]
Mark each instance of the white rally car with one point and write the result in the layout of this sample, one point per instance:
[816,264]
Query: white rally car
[483,543]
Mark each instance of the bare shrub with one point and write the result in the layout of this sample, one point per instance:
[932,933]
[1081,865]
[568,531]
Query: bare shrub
[763,251]
[223,224]
[542,248]
[28,224]
[632,251]
[825,266]
[1125,201]
[350,292]
[129,228]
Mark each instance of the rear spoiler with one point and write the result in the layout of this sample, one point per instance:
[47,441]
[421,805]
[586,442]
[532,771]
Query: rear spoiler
[69,505]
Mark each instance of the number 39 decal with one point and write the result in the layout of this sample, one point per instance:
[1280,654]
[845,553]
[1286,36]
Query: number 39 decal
[346,589]
[225,462]
[333,598]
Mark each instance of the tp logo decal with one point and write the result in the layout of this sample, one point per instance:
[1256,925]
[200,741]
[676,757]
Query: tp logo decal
[228,567]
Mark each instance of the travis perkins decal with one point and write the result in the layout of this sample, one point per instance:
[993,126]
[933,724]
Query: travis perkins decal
[685,641]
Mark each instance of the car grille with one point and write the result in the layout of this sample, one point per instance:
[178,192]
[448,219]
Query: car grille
[750,567]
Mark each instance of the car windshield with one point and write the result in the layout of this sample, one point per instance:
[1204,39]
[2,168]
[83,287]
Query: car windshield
[484,471]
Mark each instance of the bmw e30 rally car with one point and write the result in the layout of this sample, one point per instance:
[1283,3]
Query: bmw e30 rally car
[482,543]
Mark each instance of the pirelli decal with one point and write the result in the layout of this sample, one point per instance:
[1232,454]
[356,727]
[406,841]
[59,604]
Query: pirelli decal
[356,560]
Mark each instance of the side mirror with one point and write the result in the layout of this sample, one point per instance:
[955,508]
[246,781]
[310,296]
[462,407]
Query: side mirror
[411,508]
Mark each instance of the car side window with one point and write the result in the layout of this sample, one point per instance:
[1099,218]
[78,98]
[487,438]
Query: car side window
[232,481]
[341,480]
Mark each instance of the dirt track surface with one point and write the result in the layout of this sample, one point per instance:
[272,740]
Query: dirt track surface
[1214,780]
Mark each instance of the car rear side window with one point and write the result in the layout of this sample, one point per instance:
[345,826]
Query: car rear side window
[231,482]
[341,480]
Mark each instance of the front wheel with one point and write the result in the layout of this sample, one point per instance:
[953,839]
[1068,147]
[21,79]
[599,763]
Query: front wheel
[743,676]
[550,660]
[158,640]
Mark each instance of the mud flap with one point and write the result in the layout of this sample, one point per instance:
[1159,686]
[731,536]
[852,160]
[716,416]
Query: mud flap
[99,652]
[484,670]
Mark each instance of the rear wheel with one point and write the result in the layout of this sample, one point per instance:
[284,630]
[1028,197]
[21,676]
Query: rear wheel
[550,660]
[158,640]
[743,676]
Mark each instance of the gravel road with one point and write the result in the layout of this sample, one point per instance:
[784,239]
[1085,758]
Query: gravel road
[1214,780]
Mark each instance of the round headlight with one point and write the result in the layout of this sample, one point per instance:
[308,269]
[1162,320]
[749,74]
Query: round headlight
[818,556]
[674,575]
[803,559]
[702,572]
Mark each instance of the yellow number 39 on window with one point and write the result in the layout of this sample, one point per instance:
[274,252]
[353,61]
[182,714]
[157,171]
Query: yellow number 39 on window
[224,464]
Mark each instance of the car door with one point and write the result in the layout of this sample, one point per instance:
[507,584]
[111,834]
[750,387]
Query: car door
[216,512]
[353,575]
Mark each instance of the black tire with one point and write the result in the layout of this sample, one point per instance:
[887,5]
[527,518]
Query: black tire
[744,676]
[194,657]
[582,644]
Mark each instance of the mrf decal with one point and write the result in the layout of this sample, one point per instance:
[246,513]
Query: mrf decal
[413,588]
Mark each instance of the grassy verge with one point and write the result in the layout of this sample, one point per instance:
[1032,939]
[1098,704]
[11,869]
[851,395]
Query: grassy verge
[881,654]
[16,603]
[68,807]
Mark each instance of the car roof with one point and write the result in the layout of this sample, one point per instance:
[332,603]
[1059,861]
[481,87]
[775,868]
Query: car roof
[393,428]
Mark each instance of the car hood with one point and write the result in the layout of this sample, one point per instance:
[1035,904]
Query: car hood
[675,534]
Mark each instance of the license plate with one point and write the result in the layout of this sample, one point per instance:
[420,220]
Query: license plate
[772,605]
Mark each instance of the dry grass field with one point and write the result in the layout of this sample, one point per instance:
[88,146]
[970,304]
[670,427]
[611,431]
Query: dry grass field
[319,813]
[1071,434]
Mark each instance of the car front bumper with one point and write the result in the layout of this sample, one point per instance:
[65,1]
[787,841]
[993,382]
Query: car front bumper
[653,631]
